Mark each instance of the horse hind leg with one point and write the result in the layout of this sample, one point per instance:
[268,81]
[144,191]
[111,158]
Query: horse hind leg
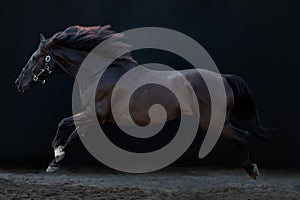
[240,138]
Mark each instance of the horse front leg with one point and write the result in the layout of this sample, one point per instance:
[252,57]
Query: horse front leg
[54,165]
[59,152]
[57,144]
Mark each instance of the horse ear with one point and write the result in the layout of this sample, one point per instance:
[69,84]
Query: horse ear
[42,37]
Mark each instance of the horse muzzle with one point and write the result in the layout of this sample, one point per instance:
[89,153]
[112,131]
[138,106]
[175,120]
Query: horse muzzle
[21,87]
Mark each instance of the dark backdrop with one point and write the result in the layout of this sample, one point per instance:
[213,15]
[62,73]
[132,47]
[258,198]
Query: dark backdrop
[255,39]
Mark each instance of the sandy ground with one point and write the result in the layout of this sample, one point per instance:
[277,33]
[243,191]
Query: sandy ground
[171,183]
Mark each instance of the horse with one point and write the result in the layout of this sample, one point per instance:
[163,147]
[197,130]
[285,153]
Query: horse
[65,51]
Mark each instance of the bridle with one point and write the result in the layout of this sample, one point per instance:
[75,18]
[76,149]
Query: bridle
[46,68]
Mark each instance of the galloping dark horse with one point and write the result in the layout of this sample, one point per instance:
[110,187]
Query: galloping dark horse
[65,51]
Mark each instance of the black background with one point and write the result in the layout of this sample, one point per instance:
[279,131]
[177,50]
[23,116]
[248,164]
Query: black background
[258,40]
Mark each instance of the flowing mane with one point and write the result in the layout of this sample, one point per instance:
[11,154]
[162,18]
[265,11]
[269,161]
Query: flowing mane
[83,38]
[87,38]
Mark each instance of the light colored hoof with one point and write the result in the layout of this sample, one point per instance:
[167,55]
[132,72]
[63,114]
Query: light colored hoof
[255,172]
[51,169]
[59,153]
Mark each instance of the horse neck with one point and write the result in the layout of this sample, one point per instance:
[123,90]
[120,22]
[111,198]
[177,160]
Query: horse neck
[69,60]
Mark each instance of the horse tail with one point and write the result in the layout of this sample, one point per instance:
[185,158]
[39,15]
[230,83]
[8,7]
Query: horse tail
[244,114]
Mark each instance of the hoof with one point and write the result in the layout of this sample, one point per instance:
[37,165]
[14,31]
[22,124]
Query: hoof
[251,169]
[255,172]
[51,169]
[59,153]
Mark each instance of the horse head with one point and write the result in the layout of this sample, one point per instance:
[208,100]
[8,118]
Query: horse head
[40,65]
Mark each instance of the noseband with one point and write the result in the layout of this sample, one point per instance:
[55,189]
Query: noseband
[46,68]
